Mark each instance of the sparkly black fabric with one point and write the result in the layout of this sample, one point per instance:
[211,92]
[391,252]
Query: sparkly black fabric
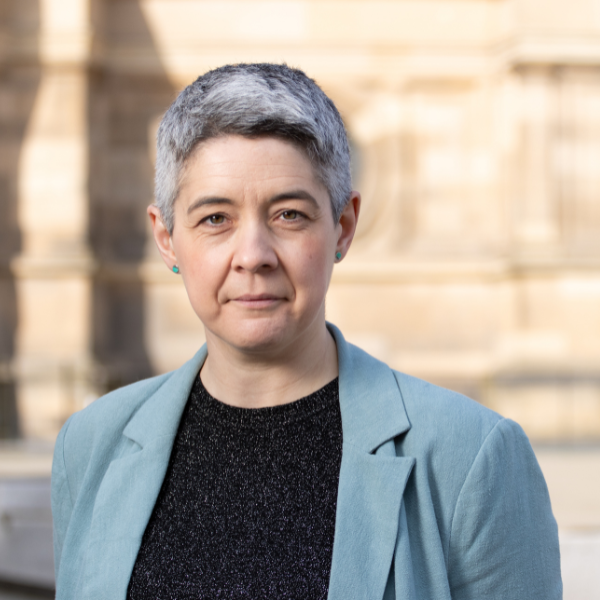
[247,507]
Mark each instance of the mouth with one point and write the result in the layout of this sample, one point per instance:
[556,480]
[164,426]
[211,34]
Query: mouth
[257,300]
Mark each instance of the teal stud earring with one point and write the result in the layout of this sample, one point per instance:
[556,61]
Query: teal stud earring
[338,256]
[175,269]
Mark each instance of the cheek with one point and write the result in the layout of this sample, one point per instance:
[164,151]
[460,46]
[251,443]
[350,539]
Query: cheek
[313,267]
[203,275]
[201,259]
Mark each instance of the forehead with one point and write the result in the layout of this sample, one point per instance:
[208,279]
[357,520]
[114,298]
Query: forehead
[233,161]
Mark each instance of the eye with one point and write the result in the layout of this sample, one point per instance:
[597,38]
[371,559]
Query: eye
[290,215]
[215,219]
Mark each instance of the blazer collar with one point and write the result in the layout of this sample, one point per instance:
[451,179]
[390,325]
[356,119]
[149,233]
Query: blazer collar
[159,416]
[370,401]
[368,525]
[128,491]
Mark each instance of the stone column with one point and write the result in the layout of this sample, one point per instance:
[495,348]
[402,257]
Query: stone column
[53,359]
[536,210]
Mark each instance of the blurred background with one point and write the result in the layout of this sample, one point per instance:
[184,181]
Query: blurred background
[475,129]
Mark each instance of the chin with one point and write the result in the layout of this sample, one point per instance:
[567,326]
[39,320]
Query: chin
[261,335]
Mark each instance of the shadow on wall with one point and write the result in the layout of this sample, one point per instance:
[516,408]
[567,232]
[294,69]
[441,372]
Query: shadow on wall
[124,106]
[19,82]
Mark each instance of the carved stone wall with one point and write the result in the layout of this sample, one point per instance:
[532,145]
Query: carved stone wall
[475,126]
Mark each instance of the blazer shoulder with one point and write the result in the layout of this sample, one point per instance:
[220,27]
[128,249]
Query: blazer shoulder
[441,414]
[450,437]
[115,409]
[97,428]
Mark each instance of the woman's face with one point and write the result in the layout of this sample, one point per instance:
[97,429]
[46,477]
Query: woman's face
[255,241]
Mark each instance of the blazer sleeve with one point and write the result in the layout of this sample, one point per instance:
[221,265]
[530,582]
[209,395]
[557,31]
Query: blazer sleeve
[504,538]
[62,502]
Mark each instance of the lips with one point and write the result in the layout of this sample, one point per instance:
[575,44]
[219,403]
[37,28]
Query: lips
[258,300]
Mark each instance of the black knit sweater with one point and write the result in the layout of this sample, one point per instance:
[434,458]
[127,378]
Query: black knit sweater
[247,507]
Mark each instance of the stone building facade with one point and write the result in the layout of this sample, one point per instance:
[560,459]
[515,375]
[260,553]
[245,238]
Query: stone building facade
[475,126]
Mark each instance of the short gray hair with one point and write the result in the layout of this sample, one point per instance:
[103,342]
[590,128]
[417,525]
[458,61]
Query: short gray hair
[253,100]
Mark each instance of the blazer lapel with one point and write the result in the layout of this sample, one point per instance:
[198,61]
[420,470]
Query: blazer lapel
[128,492]
[372,477]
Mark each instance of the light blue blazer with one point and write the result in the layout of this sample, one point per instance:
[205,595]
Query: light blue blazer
[438,499]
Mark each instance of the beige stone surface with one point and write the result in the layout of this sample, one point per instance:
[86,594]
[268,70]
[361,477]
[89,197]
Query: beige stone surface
[475,126]
[19,461]
[572,475]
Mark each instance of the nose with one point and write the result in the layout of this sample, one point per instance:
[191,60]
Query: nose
[254,250]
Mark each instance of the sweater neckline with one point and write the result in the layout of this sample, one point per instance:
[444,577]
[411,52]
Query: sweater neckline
[215,410]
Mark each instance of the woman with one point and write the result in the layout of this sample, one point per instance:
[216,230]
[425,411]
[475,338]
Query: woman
[281,461]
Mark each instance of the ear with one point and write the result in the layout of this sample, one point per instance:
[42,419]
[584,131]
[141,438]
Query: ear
[162,236]
[347,224]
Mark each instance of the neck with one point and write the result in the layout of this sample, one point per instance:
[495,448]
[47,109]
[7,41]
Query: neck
[257,381]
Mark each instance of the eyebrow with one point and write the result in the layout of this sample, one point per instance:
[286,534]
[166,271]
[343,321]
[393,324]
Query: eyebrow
[295,195]
[291,195]
[207,201]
